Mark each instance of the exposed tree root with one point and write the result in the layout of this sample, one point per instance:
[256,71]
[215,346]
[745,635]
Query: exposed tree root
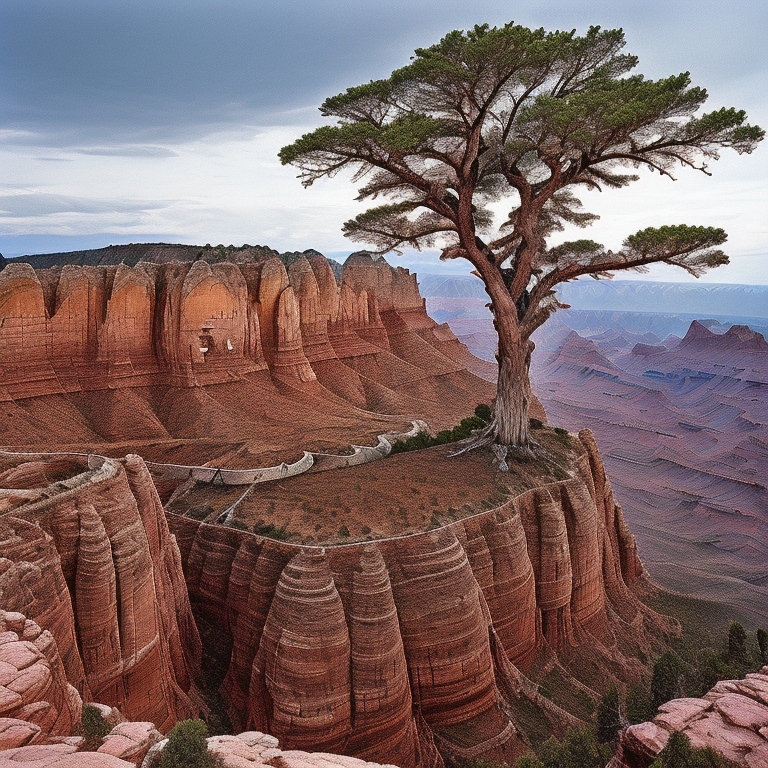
[485,436]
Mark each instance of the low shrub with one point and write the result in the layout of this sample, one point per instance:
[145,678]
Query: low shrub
[95,727]
[187,747]
[421,440]
[200,512]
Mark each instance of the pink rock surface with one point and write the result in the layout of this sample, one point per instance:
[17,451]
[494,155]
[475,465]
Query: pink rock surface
[33,683]
[17,733]
[735,724]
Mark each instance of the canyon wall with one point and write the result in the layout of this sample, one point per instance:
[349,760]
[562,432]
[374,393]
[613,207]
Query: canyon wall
[82,328]
[372,648]
[89,559]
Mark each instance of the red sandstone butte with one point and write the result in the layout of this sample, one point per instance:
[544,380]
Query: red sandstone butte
[366,648]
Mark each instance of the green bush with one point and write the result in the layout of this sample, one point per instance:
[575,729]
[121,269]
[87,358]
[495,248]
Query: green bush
[200,512]
[483,412]
[270,530]
[737,644]
[95,727]
[343,532]
[665,683]
[536,423]
[680,754]
[577,749]
[186,747]
[239,524]
[762,642]
[461,431]
[608,716]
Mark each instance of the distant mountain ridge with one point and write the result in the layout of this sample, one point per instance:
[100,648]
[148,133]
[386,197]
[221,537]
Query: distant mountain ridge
[702,299]
[162,253]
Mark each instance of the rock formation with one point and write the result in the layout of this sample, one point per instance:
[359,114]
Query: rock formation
[132,744]
[683,431]
[399,638]
[34,691]
[731,718]
[234,352]
[92,562]
[76,328]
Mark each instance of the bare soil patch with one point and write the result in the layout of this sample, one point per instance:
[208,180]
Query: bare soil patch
[401,494]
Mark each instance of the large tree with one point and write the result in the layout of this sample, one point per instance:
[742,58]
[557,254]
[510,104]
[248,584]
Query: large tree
[528,115]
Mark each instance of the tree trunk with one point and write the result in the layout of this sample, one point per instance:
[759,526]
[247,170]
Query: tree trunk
[511,429]
[513,396]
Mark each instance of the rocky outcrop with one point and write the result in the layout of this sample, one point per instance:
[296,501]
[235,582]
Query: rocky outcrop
[229,352]
[132,744]
[35,697]
[370,648]
[93,563]
[732,718]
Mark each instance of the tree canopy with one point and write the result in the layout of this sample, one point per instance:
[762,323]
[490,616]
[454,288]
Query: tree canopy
[530,115]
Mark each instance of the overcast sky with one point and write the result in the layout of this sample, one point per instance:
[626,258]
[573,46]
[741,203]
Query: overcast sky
[141,120]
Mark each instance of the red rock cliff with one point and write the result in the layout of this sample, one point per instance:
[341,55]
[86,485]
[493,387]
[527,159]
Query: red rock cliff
[93,563]
[397,637]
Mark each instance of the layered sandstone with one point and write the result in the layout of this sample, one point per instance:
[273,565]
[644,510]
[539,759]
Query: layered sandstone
[731,718]
[372,648]
[92,562]
[221,353]
[76,328]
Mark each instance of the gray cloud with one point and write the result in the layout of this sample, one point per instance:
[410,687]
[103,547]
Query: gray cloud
[146,71]
[128,151]
[44,204]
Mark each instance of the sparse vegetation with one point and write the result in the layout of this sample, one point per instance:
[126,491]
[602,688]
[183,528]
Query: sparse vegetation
[579,748]
[679,753]
[95,727]
[425,440]
[238,524]
[608,716]
[187,748]
[200,512]
[272,531]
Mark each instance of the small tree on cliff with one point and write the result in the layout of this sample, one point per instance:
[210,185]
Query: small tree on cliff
[530,115]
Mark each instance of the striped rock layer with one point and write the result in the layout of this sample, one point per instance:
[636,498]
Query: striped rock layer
[371,648]
[97,568]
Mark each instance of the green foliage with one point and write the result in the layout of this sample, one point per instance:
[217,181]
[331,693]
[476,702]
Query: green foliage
[271,530]
[737,644]
[665,682]
[539,99]
[762,643]
[238,524]
[579,748]
[425,440]
[710,667]
[343,532]
[95,727]
[536,423]
[484,412]
[186,747]
[678,753]
[608,716]
[638,704]
[200,512]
